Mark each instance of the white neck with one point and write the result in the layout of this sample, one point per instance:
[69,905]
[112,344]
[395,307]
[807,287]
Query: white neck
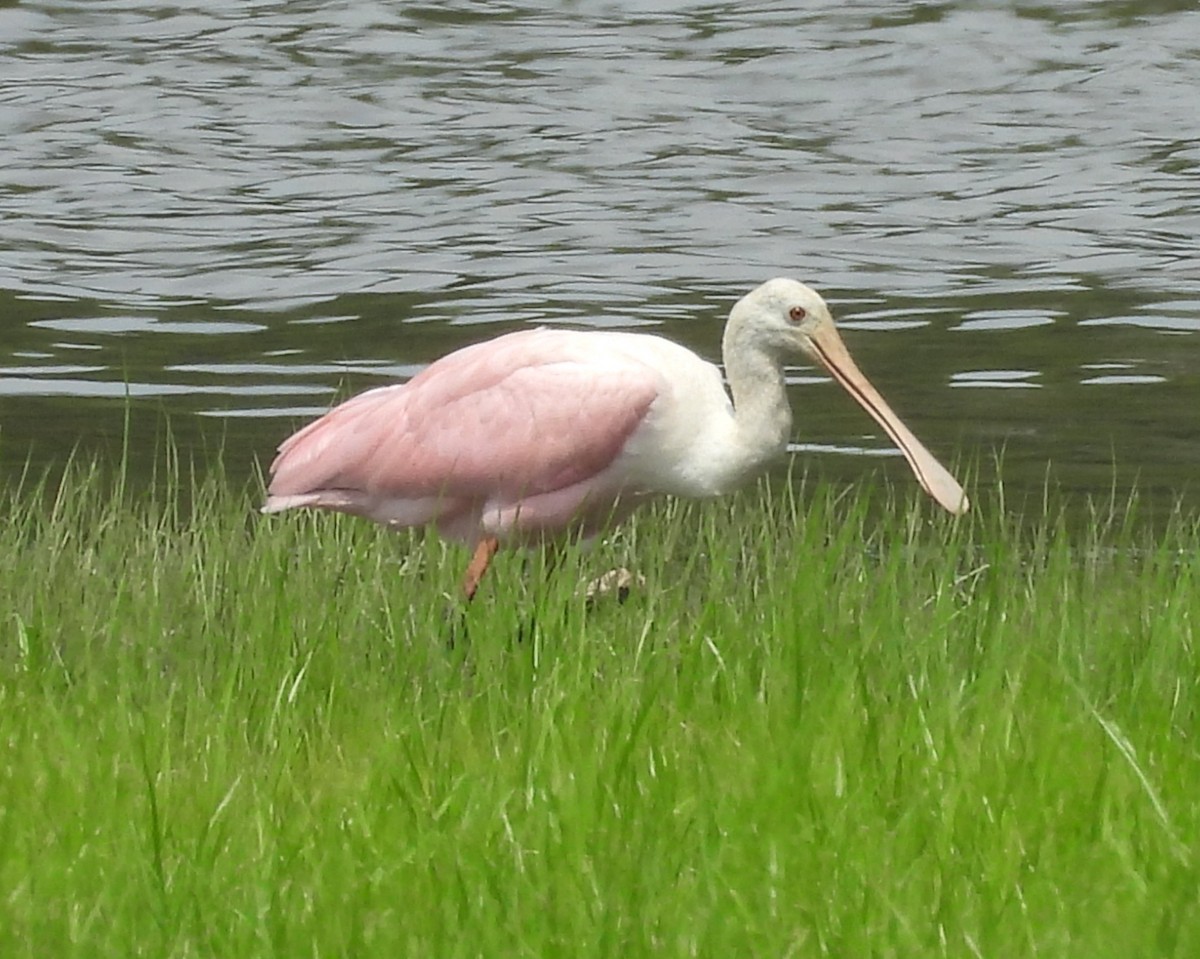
[762,418]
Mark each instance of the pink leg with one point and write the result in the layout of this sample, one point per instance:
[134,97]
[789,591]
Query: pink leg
[478,565]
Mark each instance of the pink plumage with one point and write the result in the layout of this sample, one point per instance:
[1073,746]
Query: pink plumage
[500,438]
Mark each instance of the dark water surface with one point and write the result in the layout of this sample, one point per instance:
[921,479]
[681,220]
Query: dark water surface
[223,218]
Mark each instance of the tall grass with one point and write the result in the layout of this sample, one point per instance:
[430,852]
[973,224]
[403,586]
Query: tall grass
[829,724]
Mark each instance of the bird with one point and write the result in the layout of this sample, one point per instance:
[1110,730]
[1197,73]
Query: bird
[543,432]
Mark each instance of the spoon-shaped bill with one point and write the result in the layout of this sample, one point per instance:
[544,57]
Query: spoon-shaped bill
[827,346]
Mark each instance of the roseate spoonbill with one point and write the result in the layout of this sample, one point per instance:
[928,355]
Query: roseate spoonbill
[544,431]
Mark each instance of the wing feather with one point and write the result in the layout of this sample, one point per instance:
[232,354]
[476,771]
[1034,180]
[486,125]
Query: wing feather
[527,413]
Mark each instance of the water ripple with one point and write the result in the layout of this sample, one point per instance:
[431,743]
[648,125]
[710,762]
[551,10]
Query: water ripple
[282,200]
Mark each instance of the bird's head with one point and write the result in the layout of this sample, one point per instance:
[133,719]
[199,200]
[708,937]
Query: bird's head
[784,317]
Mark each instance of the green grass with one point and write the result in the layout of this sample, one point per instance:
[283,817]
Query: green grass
[831,724]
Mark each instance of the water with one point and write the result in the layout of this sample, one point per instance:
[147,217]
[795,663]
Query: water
[215,222]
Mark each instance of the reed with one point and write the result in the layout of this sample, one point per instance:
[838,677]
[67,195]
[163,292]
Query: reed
[830,724]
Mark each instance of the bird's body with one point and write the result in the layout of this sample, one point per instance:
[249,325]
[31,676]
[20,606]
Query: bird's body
[521,436]
[543,431]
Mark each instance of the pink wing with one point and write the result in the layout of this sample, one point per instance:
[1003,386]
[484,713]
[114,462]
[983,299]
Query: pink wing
[529,413]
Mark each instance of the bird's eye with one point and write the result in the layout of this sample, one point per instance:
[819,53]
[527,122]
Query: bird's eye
[797,313]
